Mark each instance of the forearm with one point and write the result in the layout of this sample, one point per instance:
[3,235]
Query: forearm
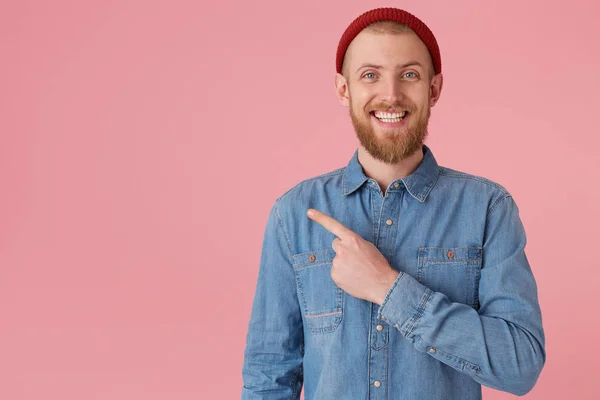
[500,351]
[270,371]
[274,351]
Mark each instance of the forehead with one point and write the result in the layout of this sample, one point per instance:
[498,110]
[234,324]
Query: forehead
[386,49]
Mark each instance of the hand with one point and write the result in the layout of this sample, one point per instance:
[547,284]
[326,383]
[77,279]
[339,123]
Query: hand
[358,267]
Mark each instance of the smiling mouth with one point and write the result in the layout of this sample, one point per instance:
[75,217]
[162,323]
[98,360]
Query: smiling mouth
[389,117]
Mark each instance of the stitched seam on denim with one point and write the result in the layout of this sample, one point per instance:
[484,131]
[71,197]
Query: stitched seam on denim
[468,260]
[431,186]
[306,266]
[462,361]
[387,296]
[327,174]
[279,221]
[371,332]
[322,315]
[373,225]
[427,296]
[494,206]
[449,356]
[325,329]
[463,175]
[308,253]
[387,246]
[385,343]
[280,224]
[387,378]
[326,256]
[449,248]
[379,222]
[476,287]
[435,181]
[302,297]
[299,285]
[454,261]
[424,262]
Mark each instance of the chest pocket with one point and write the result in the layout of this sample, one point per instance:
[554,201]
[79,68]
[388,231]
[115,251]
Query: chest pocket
[452,271]
[322,300]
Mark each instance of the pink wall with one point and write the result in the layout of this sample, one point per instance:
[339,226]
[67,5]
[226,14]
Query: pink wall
[142,144]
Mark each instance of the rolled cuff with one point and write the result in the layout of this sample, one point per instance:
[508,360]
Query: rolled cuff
[405,303]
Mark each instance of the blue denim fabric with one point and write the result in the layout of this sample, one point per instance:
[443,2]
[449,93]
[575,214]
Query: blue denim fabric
[462,313]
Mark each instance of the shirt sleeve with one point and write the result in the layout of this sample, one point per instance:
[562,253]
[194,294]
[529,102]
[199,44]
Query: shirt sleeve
[272,367]
[501,345]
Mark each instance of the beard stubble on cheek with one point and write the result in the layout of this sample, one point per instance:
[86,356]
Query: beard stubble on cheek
[397,144]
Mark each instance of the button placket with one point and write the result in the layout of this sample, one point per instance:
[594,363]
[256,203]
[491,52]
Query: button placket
[385,211]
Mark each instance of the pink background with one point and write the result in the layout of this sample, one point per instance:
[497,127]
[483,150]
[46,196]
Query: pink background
[142,144]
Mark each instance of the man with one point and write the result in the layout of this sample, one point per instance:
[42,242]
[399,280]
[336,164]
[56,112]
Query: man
[393,277]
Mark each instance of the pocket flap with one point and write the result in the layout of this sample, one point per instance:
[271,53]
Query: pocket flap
[451,254]
[313,258]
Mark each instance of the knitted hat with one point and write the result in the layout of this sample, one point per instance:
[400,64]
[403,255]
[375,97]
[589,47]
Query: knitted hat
[389,14]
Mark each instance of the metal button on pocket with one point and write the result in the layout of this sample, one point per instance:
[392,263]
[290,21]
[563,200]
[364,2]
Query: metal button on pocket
[453,271]
[379,327]
[312,258]
[432,350]
[389,222]
[376,383]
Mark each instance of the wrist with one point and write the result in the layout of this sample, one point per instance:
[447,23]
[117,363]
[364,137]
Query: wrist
[385,286]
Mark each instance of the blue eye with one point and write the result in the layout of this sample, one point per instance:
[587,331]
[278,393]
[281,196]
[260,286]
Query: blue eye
[410,73]
[368,73]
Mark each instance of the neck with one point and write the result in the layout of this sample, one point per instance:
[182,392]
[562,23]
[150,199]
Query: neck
[384,173]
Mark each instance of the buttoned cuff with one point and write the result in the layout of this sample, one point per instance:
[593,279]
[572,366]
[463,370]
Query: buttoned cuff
[405,303]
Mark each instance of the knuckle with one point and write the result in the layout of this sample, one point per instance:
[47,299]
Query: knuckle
[353,240]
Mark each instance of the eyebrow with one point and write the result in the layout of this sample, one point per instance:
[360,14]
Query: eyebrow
[408,64]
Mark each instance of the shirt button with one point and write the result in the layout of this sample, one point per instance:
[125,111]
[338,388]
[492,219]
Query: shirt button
[432,350]
[376,383]
[450,254]
[396,184]
[379,327]
[312,258]
[389,222]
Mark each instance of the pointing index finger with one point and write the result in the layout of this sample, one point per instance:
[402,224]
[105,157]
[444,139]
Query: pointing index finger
[329,223]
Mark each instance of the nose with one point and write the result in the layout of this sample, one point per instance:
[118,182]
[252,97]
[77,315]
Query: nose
[392,90]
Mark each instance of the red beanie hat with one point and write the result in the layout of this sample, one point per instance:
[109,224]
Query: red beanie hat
[389,14]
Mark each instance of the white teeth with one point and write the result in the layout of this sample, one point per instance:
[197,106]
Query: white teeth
[385,115]
[389,117]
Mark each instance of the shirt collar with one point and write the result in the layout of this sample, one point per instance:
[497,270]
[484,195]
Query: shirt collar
[418,184]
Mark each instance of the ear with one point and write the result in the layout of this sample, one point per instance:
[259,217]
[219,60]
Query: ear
[435,89]
[341,89]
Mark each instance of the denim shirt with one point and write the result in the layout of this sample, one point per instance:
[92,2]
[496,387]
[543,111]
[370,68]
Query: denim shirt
[462,313]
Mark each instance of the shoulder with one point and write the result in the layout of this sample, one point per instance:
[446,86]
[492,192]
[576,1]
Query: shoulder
[476,180]
[310,187]
[471,186]
[310,192]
